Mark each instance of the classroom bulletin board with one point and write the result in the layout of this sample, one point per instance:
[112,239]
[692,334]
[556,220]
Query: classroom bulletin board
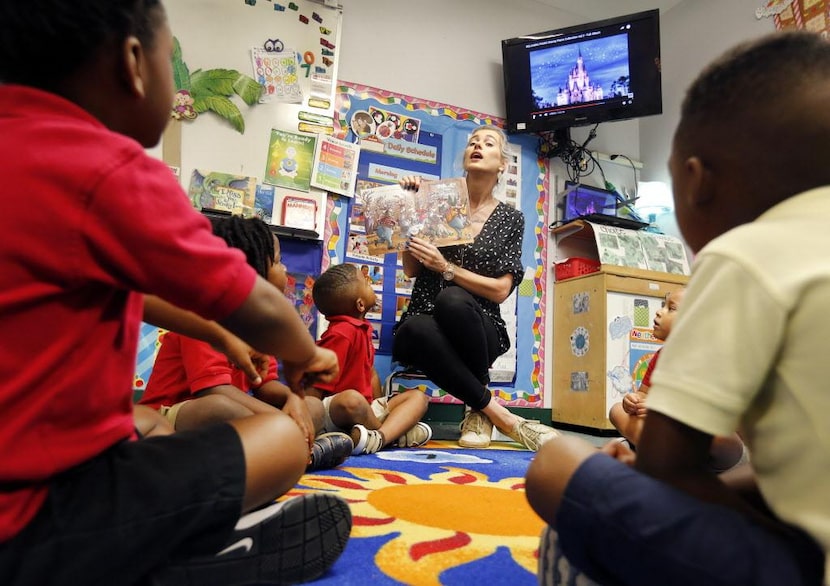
[401,135]
[221,141]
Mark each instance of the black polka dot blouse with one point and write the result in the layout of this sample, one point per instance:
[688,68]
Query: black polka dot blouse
[497,250]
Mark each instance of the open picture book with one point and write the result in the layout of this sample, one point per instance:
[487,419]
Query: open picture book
[438,212]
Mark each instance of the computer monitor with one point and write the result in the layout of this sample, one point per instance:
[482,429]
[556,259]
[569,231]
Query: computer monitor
[583,200]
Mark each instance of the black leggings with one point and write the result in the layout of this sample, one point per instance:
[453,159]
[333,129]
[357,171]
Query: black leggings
[454,347]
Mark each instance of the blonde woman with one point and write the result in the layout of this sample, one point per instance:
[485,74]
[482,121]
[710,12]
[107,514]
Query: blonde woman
[452,329]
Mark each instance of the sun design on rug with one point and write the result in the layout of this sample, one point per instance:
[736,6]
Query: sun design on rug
[437,527]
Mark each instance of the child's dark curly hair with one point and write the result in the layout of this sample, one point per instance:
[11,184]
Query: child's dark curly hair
[334,290]
[250,235]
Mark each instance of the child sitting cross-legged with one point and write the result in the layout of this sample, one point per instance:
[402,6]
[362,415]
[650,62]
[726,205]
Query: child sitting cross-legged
[83,498]
[343,296]
[628,416]
[747,353]
[194,385]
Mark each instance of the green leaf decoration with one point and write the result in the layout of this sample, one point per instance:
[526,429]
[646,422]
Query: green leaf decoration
[248,89]
[181,74]
[223,107]
[214,81]
[212,89]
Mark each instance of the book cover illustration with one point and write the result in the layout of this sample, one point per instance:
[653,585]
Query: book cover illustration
[438,212]
[299,212]
[264,203]
[357,217]
[290,159]
[223,191]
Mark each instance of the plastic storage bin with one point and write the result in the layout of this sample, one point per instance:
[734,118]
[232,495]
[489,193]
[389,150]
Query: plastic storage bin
[575,267]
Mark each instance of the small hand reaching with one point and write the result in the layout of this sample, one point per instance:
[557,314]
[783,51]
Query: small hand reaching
[253,363]
[321,366]
[619,450]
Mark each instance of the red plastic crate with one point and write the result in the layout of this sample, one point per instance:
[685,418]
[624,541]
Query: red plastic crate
[574,267]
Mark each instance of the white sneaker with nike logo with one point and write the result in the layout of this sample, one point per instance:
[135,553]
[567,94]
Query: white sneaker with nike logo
[245,543]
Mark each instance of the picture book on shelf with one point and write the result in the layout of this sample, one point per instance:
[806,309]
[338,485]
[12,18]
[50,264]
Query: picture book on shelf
[264,202]
[438,212]
[223,191]
[299,212]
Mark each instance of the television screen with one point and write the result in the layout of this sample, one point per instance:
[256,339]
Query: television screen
[582,200]
[584,74]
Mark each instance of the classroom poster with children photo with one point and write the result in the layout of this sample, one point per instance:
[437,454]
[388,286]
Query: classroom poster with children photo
[379,125]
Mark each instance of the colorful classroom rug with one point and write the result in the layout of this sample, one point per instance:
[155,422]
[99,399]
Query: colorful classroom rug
[434,515]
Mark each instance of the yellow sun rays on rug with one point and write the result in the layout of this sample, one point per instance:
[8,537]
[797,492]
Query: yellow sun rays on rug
[437,521]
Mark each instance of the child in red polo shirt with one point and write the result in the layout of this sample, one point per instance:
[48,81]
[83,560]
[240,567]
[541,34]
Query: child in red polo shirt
[83,500]
[194,385]
[343,296]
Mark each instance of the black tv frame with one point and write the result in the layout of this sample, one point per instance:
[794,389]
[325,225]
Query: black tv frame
[641,32]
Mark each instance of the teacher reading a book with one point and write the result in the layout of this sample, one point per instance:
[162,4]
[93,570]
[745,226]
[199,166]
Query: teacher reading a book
[452,330]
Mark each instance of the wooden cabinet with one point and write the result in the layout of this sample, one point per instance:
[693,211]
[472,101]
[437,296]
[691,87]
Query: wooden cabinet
[602,329]
[602,339]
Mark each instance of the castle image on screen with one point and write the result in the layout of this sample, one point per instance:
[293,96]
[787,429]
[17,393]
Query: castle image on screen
[580,72]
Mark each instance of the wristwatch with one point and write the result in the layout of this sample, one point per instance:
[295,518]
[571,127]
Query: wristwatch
[449,272]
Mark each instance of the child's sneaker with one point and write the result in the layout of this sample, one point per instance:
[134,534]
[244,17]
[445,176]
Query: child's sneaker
[476,430]
[330,450]
[292,541]
[415,437]
[531,434]
[366,441]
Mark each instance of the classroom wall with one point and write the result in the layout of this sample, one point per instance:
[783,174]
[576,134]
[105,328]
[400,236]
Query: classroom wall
[443,50]
[219,34]
[450,51]
[693,33]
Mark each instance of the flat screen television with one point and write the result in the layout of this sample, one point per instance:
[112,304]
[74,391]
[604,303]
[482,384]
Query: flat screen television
[585,74]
